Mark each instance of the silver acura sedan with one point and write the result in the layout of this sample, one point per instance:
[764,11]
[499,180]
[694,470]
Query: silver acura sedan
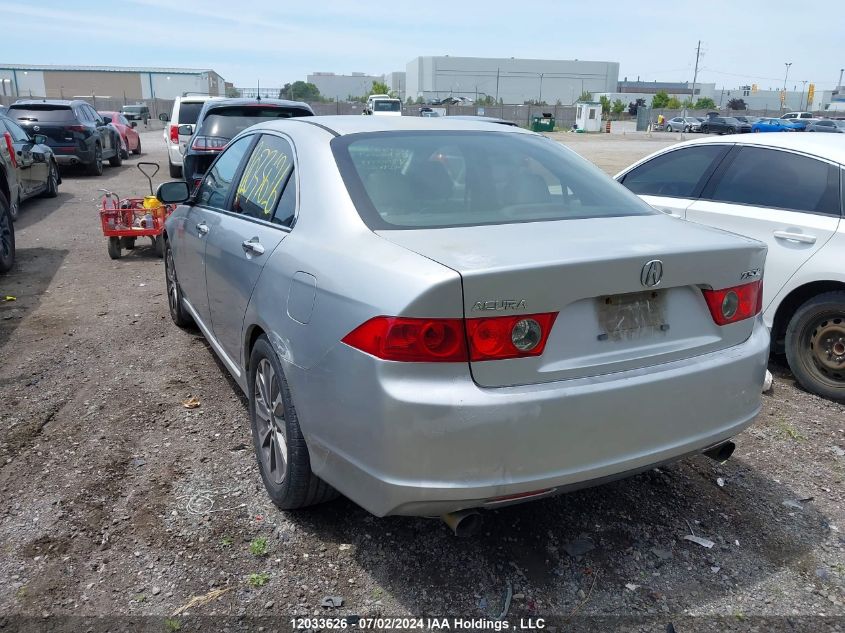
[434,316]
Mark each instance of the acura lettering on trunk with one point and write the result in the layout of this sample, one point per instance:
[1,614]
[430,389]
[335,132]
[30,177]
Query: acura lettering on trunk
[435,317]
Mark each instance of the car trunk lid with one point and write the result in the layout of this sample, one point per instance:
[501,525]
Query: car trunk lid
[592,273]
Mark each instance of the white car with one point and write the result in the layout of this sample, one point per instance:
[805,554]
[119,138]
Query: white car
[185,112]
[785,190]
[383,105]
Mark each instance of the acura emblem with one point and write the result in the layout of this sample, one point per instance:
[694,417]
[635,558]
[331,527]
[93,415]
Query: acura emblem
[652,273]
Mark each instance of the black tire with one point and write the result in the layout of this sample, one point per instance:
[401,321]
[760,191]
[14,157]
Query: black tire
[137,150]
[815,345]
[96,168]
[287,478]
[7,236]
[52,182]
[128,243]
[669,128]
[705,129]
[114,248]
[178,313]
[158,245]
[731,130]
[117,159]
[175,170]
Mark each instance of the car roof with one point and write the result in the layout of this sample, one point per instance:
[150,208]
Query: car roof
[825,146]
[340,125]
[483,119]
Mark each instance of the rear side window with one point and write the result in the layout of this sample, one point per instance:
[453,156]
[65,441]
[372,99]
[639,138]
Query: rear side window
[42,113]
[16,131]
[772,178]
[266,173]
[677,174]
[217,184]
[432,179]
[188,112]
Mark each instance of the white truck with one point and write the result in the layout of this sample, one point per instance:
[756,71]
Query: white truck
[383,105]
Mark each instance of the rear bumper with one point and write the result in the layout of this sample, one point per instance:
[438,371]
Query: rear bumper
[403,438]
[173,153]
[67,155]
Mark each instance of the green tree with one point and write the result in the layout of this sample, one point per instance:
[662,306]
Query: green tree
[660,100]
[688,102]
[585,96]
[380,88]
[618,107]
[301,91]
[705,104]
[737,104]
[605,104]
[420,101]
[674,103]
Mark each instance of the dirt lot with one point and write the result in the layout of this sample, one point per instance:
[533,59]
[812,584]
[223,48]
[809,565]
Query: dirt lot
[117,500]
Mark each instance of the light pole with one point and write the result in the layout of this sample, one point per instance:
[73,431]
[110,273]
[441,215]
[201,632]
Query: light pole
[803,87]
[783,103]
[540,100]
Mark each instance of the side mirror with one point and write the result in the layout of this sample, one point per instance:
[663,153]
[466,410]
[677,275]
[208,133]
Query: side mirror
[133,124]
[186,130]
[106,120]
[173,192]
[39,139]
[164,117]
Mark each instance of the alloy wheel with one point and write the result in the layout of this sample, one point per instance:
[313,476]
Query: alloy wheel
[825,343]
[172,285]
[270,414]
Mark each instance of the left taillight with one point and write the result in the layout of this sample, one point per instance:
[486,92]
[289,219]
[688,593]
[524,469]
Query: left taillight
[453,340]
[737,303]
[174,134]
[411,340]
[10,146]
[209,143]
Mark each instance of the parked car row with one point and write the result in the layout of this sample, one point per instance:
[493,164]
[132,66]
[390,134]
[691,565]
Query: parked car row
[28,168]
[739,124]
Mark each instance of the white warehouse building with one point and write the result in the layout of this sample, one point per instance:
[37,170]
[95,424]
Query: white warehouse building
[340,87]
[508,79]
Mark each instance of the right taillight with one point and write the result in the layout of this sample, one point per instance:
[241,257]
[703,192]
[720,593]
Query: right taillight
[174,134]
[452,340]
[209,143]
[738,303]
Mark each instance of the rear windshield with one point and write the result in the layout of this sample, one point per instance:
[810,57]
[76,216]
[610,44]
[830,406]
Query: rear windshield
[188,113]
[383,105]
[45,113]
[134,108]
[406,180]
[229,122]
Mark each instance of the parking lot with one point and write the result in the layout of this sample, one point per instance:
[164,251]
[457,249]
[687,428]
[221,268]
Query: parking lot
[119,500]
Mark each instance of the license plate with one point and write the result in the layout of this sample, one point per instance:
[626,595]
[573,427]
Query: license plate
[632,316]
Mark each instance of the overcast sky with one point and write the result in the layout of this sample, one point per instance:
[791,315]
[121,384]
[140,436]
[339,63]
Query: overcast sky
[277,41]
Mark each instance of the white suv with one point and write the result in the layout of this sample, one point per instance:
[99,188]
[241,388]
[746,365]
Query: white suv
[785,190]
[185,112]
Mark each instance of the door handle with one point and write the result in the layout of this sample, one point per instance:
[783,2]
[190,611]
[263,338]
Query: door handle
[202,227]
[253,246]
[795,237]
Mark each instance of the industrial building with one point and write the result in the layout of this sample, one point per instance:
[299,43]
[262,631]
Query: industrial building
[340,87]
[397,83]
[129,84]
[508,79]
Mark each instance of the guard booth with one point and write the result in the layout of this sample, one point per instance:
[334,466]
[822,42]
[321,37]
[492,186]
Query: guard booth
[588,116]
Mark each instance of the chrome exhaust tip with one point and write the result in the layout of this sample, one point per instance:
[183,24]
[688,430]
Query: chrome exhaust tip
[463,523]
[721,452]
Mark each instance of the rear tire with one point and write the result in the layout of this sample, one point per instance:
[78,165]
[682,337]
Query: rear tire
[137,150]
[280,448]
[175,170]
[96,168]
[815,345]
[158,245]
[128,243]
[117,159]
[7,237]
[114,248]
[705,129]
[52,182]
[178,313]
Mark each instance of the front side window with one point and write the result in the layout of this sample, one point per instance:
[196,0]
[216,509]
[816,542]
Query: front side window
[215,187]
[440,179]
[676,174]
[782,180]
[266,173]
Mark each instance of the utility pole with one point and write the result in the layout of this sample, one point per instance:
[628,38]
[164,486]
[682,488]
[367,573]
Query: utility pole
[783,103]
[841,70]
[497,85]
[540,100]
[692,94]
[801,103]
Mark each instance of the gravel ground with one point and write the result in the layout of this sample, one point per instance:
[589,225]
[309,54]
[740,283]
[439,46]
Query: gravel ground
[117,500]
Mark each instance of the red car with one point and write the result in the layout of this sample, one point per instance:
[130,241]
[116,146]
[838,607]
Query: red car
[131,141]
